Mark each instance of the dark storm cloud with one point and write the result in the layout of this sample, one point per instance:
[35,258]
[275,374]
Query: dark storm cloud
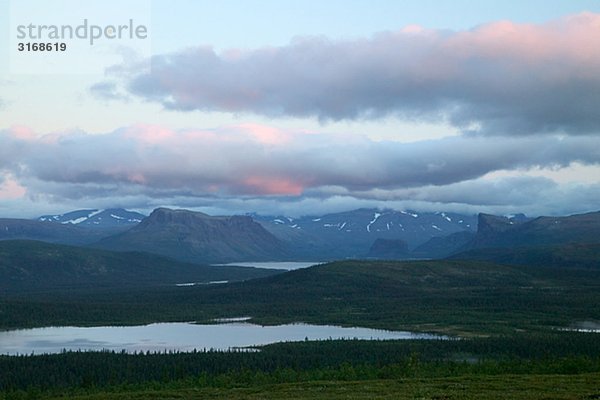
[498,78]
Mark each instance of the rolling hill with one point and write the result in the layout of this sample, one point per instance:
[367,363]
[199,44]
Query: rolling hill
[448,296]
[27,266]
[572,255]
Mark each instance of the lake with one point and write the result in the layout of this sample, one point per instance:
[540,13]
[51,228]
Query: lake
[179,337]
[285,265]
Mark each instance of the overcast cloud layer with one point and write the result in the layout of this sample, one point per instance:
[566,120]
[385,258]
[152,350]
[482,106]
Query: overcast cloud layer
[521,100]
[143,165]
[499,78]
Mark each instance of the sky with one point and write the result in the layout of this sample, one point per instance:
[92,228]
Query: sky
[303,107]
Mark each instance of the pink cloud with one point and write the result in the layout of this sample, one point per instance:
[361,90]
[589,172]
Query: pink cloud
[266,134]
[573,40]
[248,160]
[22,132]
[273,186]
[504,77]
[11,189]
[149,134]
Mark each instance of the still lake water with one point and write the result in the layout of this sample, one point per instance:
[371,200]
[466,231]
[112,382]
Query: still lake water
[283,265]
[179,337]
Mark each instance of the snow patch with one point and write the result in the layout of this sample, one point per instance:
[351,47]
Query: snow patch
[75,221]
[95,212]
[435,227]
[375,217]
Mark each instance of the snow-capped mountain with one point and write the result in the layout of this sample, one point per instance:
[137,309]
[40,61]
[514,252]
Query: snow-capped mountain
[351,234]
[96,218]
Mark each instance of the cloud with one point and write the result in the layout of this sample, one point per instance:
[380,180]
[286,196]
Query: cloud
[498,78]
[107,90]
[256,164]
[10,188]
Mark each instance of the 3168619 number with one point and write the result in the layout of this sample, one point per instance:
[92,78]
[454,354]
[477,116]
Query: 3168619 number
[33,46]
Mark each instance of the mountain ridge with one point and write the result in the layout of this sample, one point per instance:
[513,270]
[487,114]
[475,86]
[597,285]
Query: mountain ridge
[96,218]
[351,234]
[197,237]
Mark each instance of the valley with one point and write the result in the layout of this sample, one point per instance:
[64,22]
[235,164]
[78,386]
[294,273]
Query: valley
[507,313]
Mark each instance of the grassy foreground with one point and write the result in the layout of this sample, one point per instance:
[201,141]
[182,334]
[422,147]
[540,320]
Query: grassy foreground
[584,386]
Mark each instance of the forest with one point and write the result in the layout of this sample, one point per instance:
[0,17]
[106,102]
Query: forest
[78,373]
[508,326]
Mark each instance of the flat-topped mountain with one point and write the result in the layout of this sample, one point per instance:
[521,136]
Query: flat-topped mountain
[517,232]
[198,237]
[503,232]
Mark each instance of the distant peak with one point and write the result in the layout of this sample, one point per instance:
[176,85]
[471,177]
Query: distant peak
[487,223]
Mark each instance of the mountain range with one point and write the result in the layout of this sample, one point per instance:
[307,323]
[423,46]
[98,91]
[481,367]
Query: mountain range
[351,234]
[167,247]
[497,232]
[100,219]
[81,227]
[364,233]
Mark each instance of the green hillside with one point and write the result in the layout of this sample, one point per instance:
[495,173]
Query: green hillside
[27,266]
[507,317]
[574,255]
[446,296]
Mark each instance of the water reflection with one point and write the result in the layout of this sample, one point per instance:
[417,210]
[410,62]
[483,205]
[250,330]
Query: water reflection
[178,337]
[283,265]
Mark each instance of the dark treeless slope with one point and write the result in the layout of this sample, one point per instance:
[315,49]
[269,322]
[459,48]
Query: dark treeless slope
[27,266]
